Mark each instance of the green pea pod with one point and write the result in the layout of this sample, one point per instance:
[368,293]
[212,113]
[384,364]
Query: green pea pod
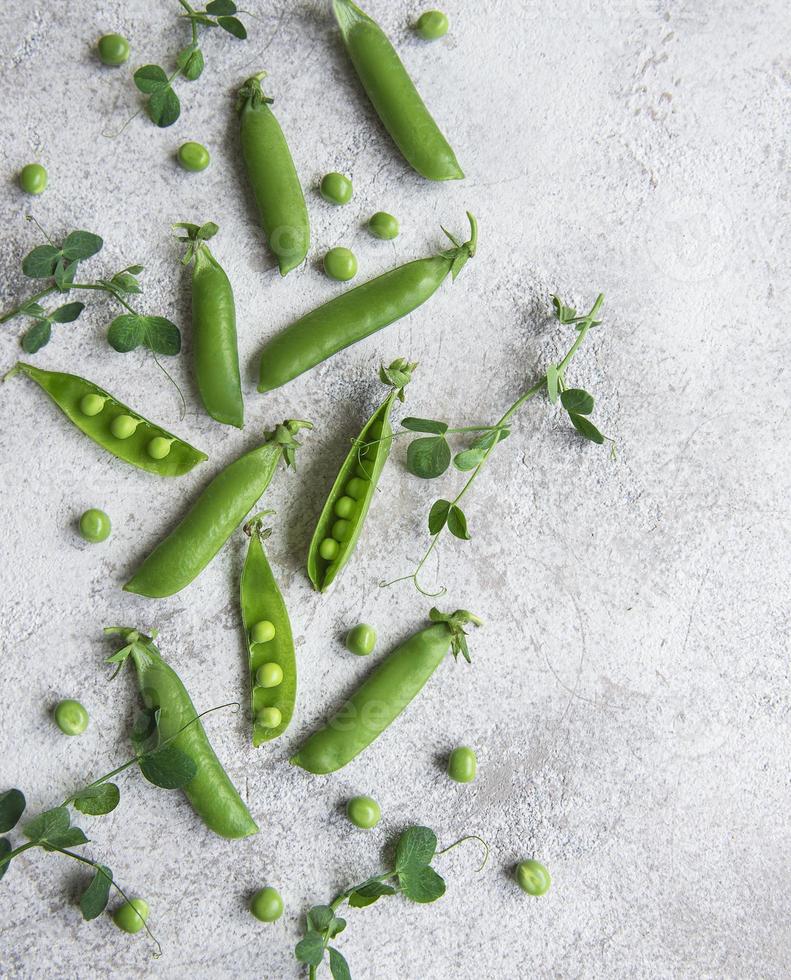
[262,602]
[273,177]
[359,312]
[385,694]
[94,411]
[394,96]
[213,329]
[214,516]
[344,513]
[210,791]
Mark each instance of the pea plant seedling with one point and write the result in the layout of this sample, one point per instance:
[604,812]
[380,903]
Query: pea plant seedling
[411,876]
[430,456]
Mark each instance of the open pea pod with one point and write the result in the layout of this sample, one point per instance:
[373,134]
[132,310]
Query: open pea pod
[270,642]
[344,512]
[112,425]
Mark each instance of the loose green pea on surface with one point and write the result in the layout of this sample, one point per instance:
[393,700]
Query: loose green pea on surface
[193,156]
[132,916]
[361,640]
[113,49]
[341,264]
[336,188]
[33,178]
[70,717]
[432,25]
[462,764]
[383,225]
[95,525]
[364,812]
[532,877]
[267,905]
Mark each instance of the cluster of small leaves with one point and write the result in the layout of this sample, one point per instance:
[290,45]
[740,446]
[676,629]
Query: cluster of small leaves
[194,236]
[163,105]
[398,375]
[283,435]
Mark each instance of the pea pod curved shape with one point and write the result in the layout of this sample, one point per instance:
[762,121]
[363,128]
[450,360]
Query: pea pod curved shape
[359,312]
[394,96]
[68,391]
[384,695]
[273,177]
[215,515]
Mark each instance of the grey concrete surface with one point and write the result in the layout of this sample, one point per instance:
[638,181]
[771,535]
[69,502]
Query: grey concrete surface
[629,696]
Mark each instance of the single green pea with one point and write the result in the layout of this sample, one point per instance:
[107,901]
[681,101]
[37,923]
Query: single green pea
[361,639]
[132,916]
[71,717]
[432,25]
[92,404]
[341,529]
[383,225]
[328,549]
[269,675]
[357,487]
[340,264]
[267,905]
[113,49]
[193,157]
[344,507]
[124,426]
[159,447]
[364,812]
[336,188]
[95,525]
[269,717]
[462,764]
[262,632]
[33,178]
[533,878]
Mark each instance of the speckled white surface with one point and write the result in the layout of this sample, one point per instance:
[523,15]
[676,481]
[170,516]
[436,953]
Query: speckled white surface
[629,695]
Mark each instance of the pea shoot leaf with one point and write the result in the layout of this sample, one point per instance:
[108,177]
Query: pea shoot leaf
[310,949]
[552,382]
[586,428]
[163,107]
[67,313]
[469,458]
[424,425]
[5,848]
[36,336]
[40,262]
[50,823]
[190,61]
[421,884]
[565,314]
[457,523]
[221,8]
[97,800]
[125,282]
[95,897]
[80,245]
[64,274]
[168,767]
[368,893]
[320,917]
[428,458]
[145,734]
[577,400]
[438,516]
[150,78]
[12,806]
[339,968]
[132,330]
[416,847]
[233,26]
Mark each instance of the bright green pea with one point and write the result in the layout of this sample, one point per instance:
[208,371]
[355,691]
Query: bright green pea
[123,426]
[193,157]
[336,188]
[328,549]
[33,178]
[533,878]
[132,916]
[113,49]
[262,632]
[92,404]
[341,529]
[267,905]
[70,717]
[269,675]
[462,764]
[344,507]
[361,639]
[269,717]
[159,447]
[357,487]
[432,24]
[383,225]
[364,812]
[340,264]
[95,525]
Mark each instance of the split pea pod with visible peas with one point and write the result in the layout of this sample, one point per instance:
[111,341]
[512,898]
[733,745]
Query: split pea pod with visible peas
[270,643]
[210,791]
[343,515]
[215,515]
[273,177]
[388,690]
[359,312]
[213,329]
[113,426]
[394,96]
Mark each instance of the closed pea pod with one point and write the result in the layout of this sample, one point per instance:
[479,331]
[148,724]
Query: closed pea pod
[272,664]
[394,96]
[112,425]
[344,512]
[213,329]
[359,312]
[214,516]
[273,177]
[210,791]
[385,693]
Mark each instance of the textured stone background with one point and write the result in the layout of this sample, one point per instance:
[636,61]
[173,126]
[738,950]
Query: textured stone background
[629,696]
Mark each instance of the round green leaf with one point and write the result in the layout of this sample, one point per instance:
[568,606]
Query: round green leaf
[164,107]
[586,428]
[438,516]
[233,26]
[428,458]
[457,523]
[577,400]
[12,806]
[81,245]
[150,78]
[40,262]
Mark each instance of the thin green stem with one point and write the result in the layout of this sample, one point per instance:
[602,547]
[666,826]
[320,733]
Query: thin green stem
[17,850]
[33,299]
